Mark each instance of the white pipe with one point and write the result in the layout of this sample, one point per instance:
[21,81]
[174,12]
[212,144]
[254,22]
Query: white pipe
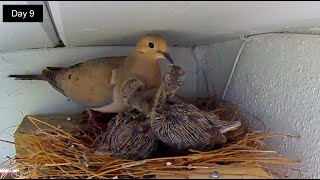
[235,65]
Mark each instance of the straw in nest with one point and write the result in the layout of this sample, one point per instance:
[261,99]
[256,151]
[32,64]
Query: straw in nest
[55,153]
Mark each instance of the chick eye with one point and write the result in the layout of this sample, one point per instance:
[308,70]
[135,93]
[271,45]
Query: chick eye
[151,45]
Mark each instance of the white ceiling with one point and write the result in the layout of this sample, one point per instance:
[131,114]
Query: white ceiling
[89,23]
[190,22]
[15,36]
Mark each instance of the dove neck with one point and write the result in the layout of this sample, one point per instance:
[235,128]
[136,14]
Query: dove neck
[148,67]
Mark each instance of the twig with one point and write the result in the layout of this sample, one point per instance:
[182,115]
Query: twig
[9,142]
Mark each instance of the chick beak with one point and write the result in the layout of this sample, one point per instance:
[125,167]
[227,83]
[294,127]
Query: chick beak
[164,55]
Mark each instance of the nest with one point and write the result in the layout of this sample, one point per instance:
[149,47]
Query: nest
[55,153]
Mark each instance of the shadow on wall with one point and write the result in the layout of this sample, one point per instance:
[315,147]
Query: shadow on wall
[174,38]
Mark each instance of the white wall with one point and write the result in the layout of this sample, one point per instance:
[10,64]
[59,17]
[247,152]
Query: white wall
[277,80]
[215,62]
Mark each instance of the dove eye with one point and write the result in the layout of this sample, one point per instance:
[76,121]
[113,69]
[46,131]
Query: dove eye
[151,45]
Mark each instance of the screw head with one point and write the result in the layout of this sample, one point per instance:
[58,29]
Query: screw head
[215,175]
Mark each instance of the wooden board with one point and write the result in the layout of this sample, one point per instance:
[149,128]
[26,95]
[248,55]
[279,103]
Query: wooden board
[22,134]
[234,171]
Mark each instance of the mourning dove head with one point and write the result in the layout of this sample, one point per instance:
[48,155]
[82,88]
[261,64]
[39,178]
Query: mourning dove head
[131,88]
[132,92]
[174,78]
[154,47]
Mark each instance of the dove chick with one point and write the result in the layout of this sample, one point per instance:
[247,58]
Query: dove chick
[131,139]
[96,83]
[179,125]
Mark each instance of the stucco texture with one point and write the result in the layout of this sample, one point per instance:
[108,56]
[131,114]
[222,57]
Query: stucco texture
[277,80]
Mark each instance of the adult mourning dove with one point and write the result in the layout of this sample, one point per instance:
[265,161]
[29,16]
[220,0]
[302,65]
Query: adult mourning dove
[96,83]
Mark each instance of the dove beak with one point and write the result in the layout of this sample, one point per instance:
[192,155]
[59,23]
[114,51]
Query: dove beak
[164,55]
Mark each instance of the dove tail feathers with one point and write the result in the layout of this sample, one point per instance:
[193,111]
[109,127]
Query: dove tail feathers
[28,77]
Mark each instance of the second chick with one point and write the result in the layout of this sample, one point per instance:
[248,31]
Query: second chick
[131,139]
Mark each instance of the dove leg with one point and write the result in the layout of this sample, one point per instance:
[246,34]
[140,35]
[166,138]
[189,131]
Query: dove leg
[92,119]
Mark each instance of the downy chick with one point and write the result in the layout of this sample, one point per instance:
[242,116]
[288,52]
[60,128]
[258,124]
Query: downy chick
[131,139]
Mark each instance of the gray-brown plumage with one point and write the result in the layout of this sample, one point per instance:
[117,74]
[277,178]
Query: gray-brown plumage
[131,139]
[96,83]
[179,125]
